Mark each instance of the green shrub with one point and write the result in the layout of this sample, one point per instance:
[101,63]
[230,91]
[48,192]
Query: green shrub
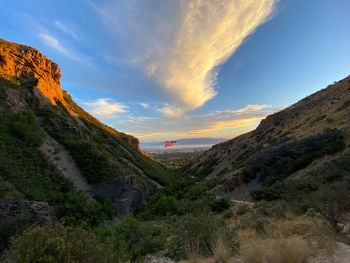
[197,234]
[259,226]
[134,239]
[166,205]
[243,209]
[76,209]
[11,227]
[220,205]
[56,243]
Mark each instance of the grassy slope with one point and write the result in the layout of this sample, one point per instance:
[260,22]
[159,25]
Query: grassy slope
[284,143]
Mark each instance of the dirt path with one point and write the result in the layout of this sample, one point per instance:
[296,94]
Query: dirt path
[247,203]
[342,253]
[61,158]
[142,173]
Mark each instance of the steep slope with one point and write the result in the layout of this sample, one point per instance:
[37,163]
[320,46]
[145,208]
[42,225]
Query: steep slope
[96,158]
[308,132]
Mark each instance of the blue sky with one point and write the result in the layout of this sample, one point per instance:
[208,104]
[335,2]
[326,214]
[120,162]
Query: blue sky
[170,69]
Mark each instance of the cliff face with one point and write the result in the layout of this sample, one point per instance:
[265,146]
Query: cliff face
[29,64]
[96,158]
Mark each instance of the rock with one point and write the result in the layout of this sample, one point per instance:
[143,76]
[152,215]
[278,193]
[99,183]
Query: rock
[154,259]
[29,64]
[37,212]
[44,75]
[127,192]
[12,101]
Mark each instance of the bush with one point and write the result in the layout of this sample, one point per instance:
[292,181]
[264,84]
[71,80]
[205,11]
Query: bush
[134,239]
[11,227]
[166,205]
[220,205]
[243,209]
[56,243]
[333,203]
[76,209]
[200,234]
[259,226]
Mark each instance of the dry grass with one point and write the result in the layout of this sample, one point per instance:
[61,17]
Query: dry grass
[315,230]
[287,250]
[200,260]
[221,250]
[192,250]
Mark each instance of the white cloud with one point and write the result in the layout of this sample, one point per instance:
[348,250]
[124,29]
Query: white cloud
[54,43]
[66,29]
[145,105]
[171,111]
[105,108]
[247,108]
[227,123]
[180,44]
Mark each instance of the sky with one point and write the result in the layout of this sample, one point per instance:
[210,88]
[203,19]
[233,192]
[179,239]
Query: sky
[172,69]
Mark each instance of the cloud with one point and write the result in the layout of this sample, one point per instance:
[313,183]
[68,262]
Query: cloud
[105,108]
[145,105]
[181,44]
[245,109]
[171,111]
[53,42]
[66,29]
[227,123]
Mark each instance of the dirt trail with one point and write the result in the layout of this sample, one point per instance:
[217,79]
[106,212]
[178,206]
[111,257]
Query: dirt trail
[61,158]
[342,253]
[247,203]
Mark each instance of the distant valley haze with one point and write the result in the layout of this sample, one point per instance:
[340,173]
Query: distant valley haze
[186,143]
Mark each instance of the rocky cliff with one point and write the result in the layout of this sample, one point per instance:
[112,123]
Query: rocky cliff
[29,64]
[41,118]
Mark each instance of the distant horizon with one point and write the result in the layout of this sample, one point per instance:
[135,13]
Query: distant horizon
[182,139]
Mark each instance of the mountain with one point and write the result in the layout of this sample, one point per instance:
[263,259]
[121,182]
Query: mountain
[285,151]
[50,147]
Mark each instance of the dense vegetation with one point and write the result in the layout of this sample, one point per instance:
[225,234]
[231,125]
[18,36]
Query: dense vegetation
[26,173]
[293,215]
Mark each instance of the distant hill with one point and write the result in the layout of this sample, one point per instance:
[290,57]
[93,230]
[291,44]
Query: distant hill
[285,151]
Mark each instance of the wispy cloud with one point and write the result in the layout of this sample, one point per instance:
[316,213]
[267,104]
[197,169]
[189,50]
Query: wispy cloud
[227,123]
[105,108]
[66,29]
[172,111]
[54,43]
[180,44]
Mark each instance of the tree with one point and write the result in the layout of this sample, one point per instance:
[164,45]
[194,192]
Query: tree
[332,203]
